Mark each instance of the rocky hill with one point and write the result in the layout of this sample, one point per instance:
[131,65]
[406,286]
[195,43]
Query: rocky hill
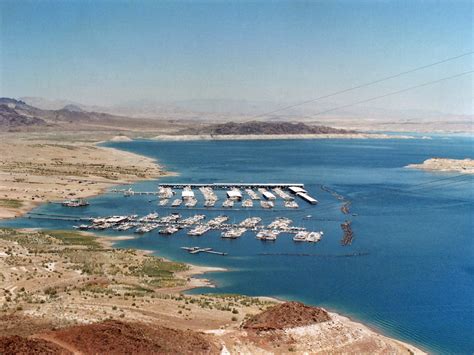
[261,128]
[11,118]
[16,114]
[286,315]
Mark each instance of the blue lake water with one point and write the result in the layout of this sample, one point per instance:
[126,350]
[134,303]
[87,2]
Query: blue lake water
[414,229]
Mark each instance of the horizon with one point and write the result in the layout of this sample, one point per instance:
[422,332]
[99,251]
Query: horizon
[111,53]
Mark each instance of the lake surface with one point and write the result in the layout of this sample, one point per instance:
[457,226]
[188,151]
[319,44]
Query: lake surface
[410,269]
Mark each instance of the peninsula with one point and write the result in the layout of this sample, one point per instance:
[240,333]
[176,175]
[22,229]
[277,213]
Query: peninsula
[463,166]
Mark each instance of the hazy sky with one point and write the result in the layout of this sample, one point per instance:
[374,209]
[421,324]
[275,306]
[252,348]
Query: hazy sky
[106,52]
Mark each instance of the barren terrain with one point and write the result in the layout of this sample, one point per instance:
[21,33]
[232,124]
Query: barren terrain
[41,170]
[67,292]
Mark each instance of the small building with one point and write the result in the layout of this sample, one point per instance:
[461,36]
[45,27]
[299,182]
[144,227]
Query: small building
[268,195]
[234,194]
[187,194]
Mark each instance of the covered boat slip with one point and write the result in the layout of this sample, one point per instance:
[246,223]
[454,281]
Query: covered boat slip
[224,185]
[234,190]
[266,192]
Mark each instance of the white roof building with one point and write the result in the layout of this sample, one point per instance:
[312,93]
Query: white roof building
[187,194]
[268,195]
[234,194]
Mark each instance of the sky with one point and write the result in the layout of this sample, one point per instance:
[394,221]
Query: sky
[110,52]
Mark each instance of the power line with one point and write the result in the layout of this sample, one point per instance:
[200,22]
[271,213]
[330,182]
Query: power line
[363,85]
[392,93]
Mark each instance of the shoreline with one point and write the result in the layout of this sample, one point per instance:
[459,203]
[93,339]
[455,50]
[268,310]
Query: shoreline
[43,171]
[207,137]
[195,270]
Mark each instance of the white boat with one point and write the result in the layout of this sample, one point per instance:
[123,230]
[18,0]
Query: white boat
[199,230]
[165,192]
[75,202]
[173,217]
[209,203]
[268,235]
[247,203]
[267,204]
[193,219]
[82,227]
[128,193]
[250,222]
[301,236]
[291,204]
[169,230]
[217,221]
[280,223]
[191,202]
[228,203]
[149,217]
[176,203]
[314,237]
[233,233]
[143,229]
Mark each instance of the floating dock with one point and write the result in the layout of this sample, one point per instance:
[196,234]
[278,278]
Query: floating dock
[233,193]
[307,198]
[225,185]
[197,250]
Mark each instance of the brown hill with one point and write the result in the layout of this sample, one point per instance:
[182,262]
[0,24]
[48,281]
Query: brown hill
[18,345]
[286,315]
[261,128]
[115,337]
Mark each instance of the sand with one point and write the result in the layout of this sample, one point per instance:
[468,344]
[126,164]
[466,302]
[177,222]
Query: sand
[463,166]
[34,172]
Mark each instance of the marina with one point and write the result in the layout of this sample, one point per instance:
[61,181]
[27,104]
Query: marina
[267,193]
[381,243]
[198,226]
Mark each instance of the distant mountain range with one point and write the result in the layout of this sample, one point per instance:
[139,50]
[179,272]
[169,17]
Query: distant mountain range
[215,109]
[17,114]
[31,113]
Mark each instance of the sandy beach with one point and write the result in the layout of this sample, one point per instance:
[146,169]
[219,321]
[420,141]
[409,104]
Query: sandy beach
[463,166]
